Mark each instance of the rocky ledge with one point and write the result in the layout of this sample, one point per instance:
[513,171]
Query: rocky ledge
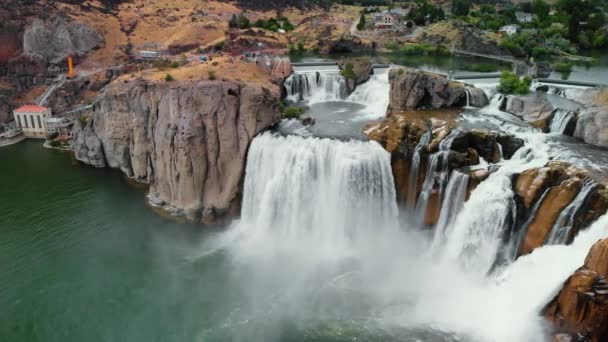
[412,89]
[186,139]
[556,195]
[421,133]
[579,312]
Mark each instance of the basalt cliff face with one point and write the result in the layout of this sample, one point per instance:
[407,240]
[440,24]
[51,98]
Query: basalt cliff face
[188,140]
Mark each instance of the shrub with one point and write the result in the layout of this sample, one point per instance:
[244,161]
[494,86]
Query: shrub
[175,65]
[563,67]
[301,47]
[400,71]
[169,78]
[293,112]
[214,63]
[55,143]
[510,83]
[212,75]
[348,72]
[219,46]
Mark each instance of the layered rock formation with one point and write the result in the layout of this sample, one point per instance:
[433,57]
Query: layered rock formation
[579,312]
[187,140]
[545,193]
[413,89]
[592,123]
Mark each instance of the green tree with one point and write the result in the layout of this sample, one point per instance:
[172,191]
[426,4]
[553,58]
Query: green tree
[234,22]
[461,8]
[541,9]
[244,23]
[361,24]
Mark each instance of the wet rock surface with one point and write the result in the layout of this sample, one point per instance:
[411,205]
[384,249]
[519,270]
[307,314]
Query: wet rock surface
[534,109]
[187,140]
[579,312]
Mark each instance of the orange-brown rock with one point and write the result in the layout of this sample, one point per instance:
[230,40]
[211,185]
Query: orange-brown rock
[433,209]
[556,200]
[580,309]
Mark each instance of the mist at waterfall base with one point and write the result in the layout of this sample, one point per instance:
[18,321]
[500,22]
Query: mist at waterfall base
[320,253]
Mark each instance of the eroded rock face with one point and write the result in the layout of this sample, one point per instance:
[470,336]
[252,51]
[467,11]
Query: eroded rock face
[187,140]
[580,309]
[413,89]
[57,39]
[27,70]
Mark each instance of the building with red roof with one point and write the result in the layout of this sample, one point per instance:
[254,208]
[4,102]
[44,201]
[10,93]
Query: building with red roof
[31,120]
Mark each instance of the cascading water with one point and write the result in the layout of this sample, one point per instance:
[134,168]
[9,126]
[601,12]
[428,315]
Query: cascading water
[316,86]
[415,169]
[561,119]
[436,176]
[564,223]
[455,196]
[373,94]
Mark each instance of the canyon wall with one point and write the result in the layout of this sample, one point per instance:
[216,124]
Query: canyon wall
[188,140]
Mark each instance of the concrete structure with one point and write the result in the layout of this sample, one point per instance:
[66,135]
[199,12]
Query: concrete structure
[523,17]
[59,126]
[387,19]
[403,12]
[31,120]
[9,130]
[509,29]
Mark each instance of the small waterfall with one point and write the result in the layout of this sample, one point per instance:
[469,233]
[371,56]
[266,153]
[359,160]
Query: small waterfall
[468,92]
[374,94]
[563,225]
[317,86]
[415,169]
[561,119]
[455,196]
[436,176]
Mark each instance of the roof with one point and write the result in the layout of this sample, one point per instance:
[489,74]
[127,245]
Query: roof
[31,109]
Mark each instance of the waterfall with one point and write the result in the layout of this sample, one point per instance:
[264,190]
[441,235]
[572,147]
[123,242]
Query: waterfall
[561,119]
[316,86]
[322,191]
[374,94]
[437,174]
[468,92]
[455,196]
[415,169]
[560,232]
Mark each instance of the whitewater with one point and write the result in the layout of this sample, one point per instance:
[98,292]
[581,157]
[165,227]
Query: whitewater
[321,239]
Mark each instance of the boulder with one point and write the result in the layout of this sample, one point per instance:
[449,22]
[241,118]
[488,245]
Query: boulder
[534,109]
[580,309]
[186,139]
[477,97]
[592,126]
[412,89]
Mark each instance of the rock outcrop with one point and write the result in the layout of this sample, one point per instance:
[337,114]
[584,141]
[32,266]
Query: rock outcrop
[592,126]
[579,312]
[402,133]
[361,71]
[56,39]
[534,109]
[544,194]
[186,139]
[415,89]
[27,70]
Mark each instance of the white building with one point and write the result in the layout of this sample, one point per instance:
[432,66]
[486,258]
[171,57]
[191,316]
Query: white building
[509,29]
[523,17]
[31,120]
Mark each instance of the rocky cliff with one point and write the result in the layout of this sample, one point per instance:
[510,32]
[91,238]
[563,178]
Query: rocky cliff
[186,139]
[415,89]
[579,312]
